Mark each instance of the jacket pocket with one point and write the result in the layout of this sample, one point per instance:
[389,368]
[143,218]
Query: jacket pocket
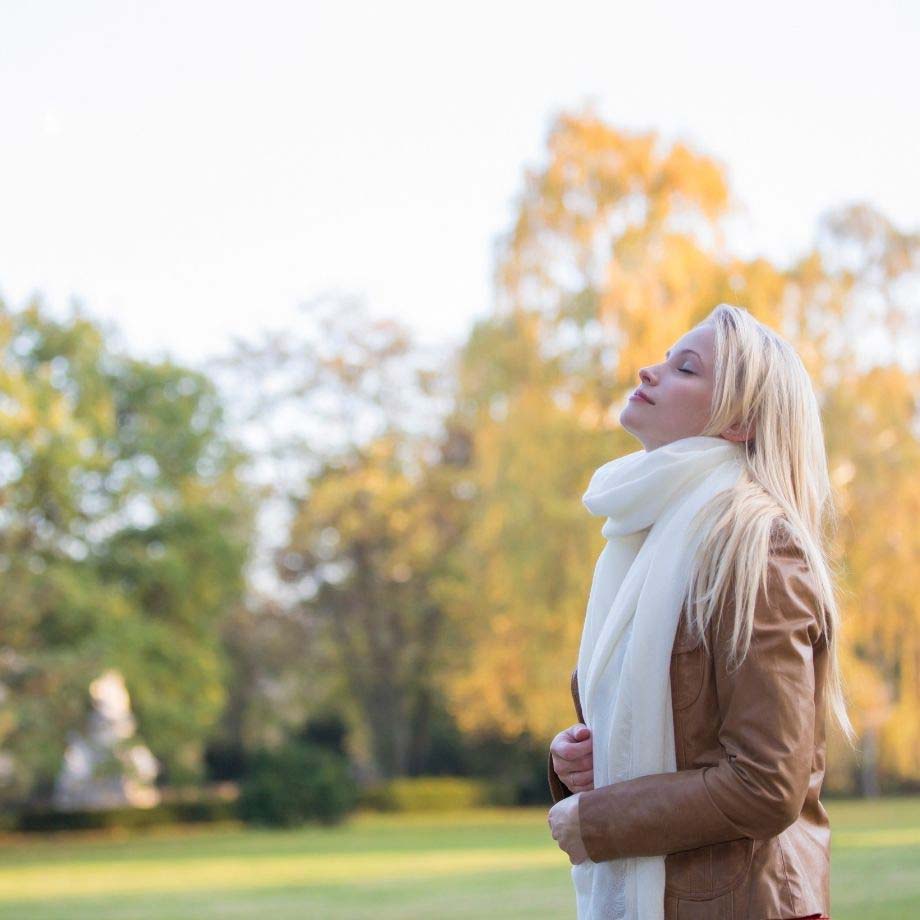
[708,872]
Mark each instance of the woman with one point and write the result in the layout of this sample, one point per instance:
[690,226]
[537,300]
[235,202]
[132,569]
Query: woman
[690,785]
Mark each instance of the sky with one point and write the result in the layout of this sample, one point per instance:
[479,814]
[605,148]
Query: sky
[193,171]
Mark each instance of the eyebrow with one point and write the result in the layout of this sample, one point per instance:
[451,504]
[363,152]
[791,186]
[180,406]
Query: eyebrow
[667,354]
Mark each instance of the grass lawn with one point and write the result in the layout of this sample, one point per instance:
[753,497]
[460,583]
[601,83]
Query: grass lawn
[487,863]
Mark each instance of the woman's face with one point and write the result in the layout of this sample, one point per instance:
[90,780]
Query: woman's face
[680,390]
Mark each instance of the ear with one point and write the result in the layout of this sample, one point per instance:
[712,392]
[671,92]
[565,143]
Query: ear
[738,433]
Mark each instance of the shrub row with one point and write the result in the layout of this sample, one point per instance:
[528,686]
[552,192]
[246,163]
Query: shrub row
[428,793]
[286,787]
[173,813]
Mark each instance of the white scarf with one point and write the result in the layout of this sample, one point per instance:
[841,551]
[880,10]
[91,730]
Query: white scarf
[649,499]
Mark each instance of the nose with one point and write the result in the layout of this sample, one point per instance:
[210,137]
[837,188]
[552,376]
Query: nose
[646,376]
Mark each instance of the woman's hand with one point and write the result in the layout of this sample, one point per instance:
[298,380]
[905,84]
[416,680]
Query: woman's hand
[564,826]
[573,757]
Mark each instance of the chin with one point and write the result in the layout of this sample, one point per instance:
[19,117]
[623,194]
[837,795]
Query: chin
[625,422]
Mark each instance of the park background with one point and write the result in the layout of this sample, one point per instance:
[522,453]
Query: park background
[315,320]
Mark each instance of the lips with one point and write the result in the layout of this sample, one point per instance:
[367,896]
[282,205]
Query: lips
[642,396]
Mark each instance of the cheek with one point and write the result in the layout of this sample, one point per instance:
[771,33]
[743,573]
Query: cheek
[702,399]
[692,399]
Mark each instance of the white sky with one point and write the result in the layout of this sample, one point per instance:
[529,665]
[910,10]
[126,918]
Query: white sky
[192,170]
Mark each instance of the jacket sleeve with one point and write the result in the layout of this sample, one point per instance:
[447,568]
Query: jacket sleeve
[766,732]
[558,789]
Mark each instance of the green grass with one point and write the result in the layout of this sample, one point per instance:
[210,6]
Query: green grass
[485,863]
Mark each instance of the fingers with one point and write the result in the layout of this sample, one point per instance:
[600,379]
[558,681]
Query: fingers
[573,742]
[578,732]
[573,757]
[572,750]
[563,765]
[577,777]
[578,789]
[580,782]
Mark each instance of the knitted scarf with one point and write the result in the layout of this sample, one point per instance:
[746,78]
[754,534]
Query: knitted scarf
[649,499]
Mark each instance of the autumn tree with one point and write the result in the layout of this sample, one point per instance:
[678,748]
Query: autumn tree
[618,246]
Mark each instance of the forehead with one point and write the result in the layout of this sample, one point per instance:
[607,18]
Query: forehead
[700,339]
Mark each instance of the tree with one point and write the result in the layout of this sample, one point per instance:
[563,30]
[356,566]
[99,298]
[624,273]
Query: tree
[359,472]
[124,533]
[617,248]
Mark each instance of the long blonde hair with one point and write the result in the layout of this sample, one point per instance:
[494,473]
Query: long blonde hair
[761,384]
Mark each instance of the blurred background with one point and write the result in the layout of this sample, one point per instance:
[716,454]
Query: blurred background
[315,320]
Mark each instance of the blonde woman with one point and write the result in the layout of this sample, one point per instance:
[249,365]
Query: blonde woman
[689,787]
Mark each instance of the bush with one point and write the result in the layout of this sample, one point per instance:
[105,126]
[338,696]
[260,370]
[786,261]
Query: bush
[204,810]
[427,793]
[516,767]
[327,730]
[295,783]
[224,760]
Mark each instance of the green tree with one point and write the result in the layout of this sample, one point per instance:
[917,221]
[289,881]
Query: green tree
[124,534]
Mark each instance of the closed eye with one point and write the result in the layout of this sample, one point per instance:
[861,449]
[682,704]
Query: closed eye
[685,370]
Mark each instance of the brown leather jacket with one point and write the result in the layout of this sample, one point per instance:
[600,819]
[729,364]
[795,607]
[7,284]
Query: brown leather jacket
[740,823]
